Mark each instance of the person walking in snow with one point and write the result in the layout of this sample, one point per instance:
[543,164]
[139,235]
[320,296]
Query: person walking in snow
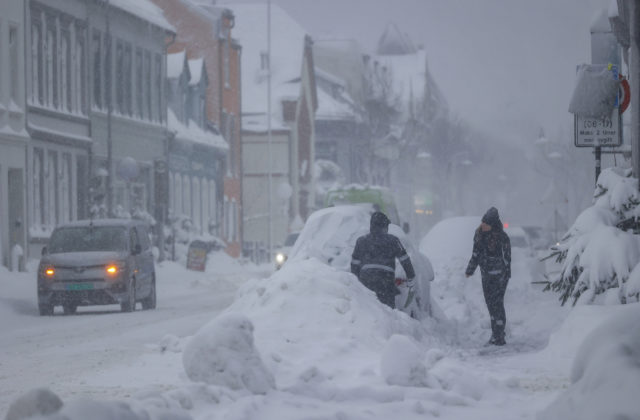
[492,252]
[374,260]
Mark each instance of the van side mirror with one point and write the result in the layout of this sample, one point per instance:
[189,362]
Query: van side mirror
[44,251]
[405,227]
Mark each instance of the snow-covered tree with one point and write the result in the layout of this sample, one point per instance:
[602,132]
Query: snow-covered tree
[601,250]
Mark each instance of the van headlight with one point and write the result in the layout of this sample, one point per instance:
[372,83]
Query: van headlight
[280,258]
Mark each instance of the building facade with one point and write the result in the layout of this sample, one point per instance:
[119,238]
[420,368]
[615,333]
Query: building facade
[278,191]
[197,154]
[13,136]
[205,31]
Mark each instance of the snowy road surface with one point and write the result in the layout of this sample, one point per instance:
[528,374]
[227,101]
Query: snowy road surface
[67,353]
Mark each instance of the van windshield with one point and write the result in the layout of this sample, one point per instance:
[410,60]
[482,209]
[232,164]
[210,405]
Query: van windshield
[88,239]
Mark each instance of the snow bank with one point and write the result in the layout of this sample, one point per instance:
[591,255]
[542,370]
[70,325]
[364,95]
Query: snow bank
[42,403]
[307,300]
[402,363]
[606,373]
[222,353]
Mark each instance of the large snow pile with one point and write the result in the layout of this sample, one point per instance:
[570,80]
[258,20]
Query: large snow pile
[222,353]
[605,377]
[330,235]
[596,254]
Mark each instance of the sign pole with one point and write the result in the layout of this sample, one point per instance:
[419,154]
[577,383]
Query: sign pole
[634,75]
[598,162]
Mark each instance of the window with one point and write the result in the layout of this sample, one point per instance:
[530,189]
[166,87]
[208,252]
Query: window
[65,189]
[127,76]
[51,65]
[147,82]
[227,219]
[178,195]
[212,201]
[51,181]
[108,71]
[38,187]
[158,87]
[197,206]
[119,77]
[186,196]
[13,60]
[139,85]
[36,61]
[80,71]
[65,70]
[96,52]
[226,69]
[204,206]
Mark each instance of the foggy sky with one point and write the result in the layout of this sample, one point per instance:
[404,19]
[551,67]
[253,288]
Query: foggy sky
[506,66]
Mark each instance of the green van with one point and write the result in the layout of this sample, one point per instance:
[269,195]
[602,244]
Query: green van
[380,197]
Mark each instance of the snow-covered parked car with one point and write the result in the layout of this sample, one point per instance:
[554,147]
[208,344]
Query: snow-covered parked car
[282,253]
[330,235]
[97,262]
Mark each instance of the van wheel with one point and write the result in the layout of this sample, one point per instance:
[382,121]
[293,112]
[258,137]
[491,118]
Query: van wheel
[70,308]
[150,301]
[130,304]
[45,309]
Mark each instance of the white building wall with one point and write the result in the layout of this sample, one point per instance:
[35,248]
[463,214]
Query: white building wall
[13,136]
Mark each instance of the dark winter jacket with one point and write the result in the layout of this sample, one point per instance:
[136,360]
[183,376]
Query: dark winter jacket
[377,253]
[492,252]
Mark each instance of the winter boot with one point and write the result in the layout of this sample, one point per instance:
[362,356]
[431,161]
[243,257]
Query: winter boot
[499,335]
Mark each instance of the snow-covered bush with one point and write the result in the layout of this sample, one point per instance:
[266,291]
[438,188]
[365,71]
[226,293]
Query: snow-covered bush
[597,253]
[605,376]
[223,353]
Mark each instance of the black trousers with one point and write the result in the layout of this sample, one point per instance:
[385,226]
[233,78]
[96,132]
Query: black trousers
[382,283]
[494,288]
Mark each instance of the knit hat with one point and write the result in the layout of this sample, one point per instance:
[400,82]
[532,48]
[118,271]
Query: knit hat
[492,218]
[379,220]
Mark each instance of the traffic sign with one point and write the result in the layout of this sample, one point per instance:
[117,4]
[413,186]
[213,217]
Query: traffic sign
[594,132]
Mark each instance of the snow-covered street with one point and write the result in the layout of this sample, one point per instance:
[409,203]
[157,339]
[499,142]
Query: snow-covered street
[102,353]
[328,347]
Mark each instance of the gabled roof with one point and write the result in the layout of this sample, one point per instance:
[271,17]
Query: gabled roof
[411,79]
[287,49]
[198,71]
[177,64]
[394,42]
[145,10]
[193,133]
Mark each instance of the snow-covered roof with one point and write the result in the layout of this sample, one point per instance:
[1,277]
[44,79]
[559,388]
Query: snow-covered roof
[410,74]
[330,108]
[196,67]
[192,132]
[395,42]
[175,64]
[145,10]
[287,46]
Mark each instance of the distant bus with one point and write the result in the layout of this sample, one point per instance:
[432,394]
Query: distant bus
[380,197]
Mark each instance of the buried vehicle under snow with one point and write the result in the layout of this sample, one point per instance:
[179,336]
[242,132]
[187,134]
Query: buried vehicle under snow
[330,235]
[107,261]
